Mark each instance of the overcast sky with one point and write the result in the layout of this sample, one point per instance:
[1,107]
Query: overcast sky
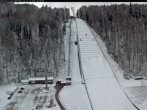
[76,5]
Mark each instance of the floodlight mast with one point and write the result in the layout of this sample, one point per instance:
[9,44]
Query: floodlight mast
[65,32]
[46,66]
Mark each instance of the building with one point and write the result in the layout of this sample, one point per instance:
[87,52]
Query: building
[68,83]
[40,80]
[25,81]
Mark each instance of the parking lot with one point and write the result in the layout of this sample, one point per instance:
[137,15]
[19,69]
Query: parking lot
[33,97]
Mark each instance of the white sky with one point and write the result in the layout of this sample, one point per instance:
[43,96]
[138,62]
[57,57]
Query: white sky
[76,5]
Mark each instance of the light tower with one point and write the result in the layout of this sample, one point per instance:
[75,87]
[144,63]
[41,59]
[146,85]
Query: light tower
[46,66]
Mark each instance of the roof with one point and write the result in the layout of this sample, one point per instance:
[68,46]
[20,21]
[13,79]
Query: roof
[25,80]
[60,79]
[68,76]
[62,82]
[40,78]
[68,81]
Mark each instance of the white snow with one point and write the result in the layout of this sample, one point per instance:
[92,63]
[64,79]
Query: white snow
[3,95]
[11,89]
[40,78]
[24,81]
[143,106]
[135,89]
[104,90]
[74,97]
[26,99]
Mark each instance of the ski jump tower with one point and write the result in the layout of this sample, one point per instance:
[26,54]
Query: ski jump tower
[73,11]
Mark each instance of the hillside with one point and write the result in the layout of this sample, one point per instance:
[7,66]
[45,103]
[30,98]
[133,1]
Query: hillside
[123,28]
[24,31]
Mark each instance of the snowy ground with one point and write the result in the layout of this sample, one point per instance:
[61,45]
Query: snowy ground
[135,89]
[103,88]
[74,97]
[34,96]
[31,98]
[3,96]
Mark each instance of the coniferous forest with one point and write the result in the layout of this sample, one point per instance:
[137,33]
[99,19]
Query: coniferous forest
[24,32]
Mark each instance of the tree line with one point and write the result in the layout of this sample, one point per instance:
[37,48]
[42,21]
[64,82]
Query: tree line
[123,28]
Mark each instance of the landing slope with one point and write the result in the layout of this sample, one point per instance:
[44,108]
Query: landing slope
[104,90]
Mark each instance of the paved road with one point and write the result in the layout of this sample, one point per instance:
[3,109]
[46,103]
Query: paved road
[58,88]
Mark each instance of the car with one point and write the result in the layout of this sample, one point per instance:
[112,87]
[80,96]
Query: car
[21,88]
[139,78]
[19,91]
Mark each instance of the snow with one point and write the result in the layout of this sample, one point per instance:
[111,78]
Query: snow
[40,78]
[60,79]
[3,95]
[24,81]
[104,90]
[74,97]
[75,70]
[12,88]
[26,99]
[143,106]
[116,69]
[136,90]
[105,94]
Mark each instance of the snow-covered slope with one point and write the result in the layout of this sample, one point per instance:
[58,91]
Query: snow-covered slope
[136,90]
[74,97]
[104,90]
